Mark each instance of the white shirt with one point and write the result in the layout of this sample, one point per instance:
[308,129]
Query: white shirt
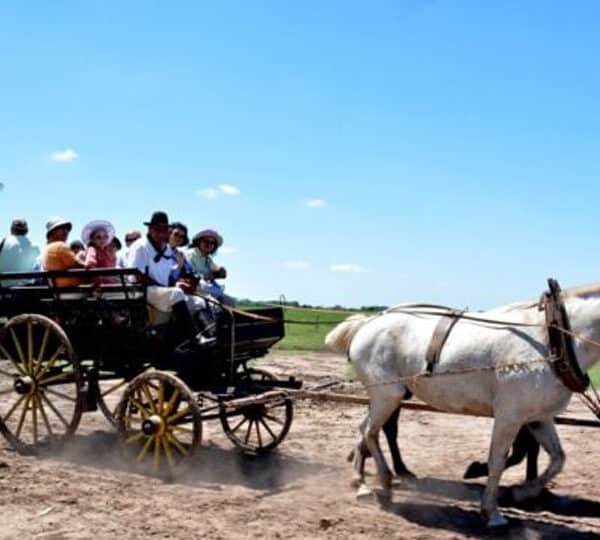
[17,255]
[142,256]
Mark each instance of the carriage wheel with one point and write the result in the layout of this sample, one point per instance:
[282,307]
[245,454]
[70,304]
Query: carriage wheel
[111,391]
[159,419]
[40,382]
[258,428]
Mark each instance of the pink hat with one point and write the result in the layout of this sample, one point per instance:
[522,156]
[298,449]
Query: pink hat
[208,233]
[93,226]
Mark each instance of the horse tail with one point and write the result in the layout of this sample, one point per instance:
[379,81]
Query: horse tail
[339,339]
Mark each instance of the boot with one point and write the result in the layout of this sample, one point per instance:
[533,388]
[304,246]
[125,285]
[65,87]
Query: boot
[184,320]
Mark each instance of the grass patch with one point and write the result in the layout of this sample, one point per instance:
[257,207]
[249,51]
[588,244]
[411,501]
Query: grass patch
[306,329]
[594,374]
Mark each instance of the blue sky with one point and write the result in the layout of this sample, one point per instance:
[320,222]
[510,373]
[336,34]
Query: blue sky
[371,152]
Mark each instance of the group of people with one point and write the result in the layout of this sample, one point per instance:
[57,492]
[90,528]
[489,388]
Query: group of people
[181,273]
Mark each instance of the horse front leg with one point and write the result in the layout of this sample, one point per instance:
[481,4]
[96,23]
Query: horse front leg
[502,437]
[545,434]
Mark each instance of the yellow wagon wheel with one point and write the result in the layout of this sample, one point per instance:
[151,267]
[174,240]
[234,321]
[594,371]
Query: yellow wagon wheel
[159,421]
[259,428]
[40,382]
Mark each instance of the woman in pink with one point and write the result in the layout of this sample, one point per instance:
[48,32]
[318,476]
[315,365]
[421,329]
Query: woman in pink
[97,235]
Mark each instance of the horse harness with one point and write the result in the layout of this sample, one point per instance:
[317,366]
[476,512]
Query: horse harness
[561,353]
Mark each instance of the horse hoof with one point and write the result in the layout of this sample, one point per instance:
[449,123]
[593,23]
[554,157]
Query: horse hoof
[384,495]
[496,520]
[364,492]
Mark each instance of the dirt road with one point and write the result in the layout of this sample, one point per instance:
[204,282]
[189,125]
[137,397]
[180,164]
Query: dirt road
[300,491]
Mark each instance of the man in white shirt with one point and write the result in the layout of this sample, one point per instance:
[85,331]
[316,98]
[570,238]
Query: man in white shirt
[17,253]
[153,255]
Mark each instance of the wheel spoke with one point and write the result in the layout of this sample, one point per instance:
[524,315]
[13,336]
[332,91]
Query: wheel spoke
[248,432]
[168,452]
[17,345]
[239,425]
[149,397]
[6,391]
[23,415]
[161,396]
[274,419]
[171,402]
[29,347]
[141,409]
[145,449]
[7,374]
[259,438]
[59,394]
[113,388]
[50,362]
[177,416]
[43,413]
[177,444]
[135,437]
[266,426]
[42,350]
[156,459]
[181,428]
[9,357]
[34,415]
[13,408]
[54,409]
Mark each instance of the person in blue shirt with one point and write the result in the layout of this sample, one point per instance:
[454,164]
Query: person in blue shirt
[17,253]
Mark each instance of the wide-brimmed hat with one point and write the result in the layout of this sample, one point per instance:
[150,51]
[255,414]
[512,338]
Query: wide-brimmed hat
[182,227]
[93,226]
[208,233]
[56,223]
[158,218]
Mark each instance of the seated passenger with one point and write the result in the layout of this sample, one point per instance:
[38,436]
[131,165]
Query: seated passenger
[204,245]
[153,254]
[17,253]
[98,235]
[130,238]
[182,275]
[57,254]
[78,249]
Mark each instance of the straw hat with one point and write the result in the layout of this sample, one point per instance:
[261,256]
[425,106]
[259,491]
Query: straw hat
[55,223]
[208,233]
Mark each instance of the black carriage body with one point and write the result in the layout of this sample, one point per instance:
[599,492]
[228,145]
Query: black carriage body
[110,329]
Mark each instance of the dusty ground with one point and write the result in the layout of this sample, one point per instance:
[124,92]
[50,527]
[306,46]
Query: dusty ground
[300,491]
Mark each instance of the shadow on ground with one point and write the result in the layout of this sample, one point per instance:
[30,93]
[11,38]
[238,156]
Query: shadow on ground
[209,464]
[428,505]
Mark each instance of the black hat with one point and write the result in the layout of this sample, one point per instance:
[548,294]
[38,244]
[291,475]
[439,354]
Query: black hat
[19,227]
[158,218]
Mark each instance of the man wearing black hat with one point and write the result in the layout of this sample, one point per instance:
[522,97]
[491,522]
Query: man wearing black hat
[154,255]
[17,253]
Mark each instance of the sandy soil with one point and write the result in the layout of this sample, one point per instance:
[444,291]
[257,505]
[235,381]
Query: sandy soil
[299,491]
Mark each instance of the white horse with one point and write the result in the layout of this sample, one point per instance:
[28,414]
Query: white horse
[500,371]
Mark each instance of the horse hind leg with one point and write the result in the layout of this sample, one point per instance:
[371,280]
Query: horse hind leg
[358,456]
[382,406]
[390,429]
[545,434]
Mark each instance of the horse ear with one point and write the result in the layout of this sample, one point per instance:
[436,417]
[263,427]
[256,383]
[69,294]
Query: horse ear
[554,286]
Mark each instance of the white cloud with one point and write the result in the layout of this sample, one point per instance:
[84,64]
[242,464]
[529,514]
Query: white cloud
[64,156]
[228,250]
[316,203]
[296,265]
[208,193]
[349,268]
[228,189]
[215,192]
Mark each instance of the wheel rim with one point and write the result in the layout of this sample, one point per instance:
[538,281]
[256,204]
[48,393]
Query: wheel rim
[160,422]
[111,391]
[40,382]
[261,427]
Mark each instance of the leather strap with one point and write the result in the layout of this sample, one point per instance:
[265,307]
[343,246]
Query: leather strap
[440,335]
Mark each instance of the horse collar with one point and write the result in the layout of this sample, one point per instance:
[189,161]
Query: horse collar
[561,353]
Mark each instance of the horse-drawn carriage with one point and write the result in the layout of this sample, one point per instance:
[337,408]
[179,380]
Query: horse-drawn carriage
[69,350]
